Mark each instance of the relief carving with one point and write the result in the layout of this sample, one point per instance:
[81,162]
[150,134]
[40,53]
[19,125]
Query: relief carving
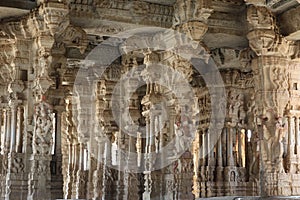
[43,129]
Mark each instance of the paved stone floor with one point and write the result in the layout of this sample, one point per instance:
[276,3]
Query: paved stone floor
[251,198]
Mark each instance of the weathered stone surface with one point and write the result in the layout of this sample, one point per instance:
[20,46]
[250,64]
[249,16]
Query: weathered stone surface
[148,99]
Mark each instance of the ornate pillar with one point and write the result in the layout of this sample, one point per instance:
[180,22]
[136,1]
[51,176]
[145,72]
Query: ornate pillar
[291,137]
[271,77]
[19,134]
[40,176]
[8,129]
[98,173]
[230,160]
[3,131]
[13,127]
[80,175]
[297,136]
[108,173]
[75,165]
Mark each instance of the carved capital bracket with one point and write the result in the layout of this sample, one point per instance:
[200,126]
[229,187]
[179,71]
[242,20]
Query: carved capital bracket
[264,37]
[191,17]
[72,37]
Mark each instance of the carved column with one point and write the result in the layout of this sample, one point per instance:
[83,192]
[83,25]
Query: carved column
[8,129]
[75,165]
[230,160]
[108,173]
[297,132]
[13,127]
[19,135]
[271,78]
[80,175]
[291,137]
[40,176]
[3,131]
[98,173]
[56,163]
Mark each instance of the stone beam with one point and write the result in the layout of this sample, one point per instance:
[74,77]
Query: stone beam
[20,4]
[290,23]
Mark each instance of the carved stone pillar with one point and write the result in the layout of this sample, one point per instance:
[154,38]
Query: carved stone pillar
[13,127]
[98,173]
[291,137]
[75,165]
[230,160]
[69,180]
[8,130]
[40,175]
[109,174]
[297,136]
[56,163]
[271,77]
[19,134]
[219,168]
[3,131]
[81,178]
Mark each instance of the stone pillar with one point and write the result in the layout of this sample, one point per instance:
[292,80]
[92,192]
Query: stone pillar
[13,128]
[19,134]
[297,136]
[74,169]
[8,129]
[3,131]
[39,184]
[230,160]
[69,179]
[291,137]
[219,152]
[97,176]
[56,176]
[80,175]
[108,176]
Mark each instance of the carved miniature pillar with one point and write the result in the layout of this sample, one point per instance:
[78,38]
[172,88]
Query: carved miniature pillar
[8,129]
[74,169]
[297,136]
[13,128]
[98,176]
[220,160]
[147,173]
[219,152]
[291,137]
[58,132]
[3,131]
[19,135]
[230,160]
[107,172]
[204,147]
[80,175]
[69,179]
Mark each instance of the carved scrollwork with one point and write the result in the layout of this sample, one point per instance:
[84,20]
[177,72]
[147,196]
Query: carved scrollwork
[17,165]
[7,56]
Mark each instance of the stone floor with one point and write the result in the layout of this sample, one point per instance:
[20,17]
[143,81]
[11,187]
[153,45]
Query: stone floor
[250,198]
